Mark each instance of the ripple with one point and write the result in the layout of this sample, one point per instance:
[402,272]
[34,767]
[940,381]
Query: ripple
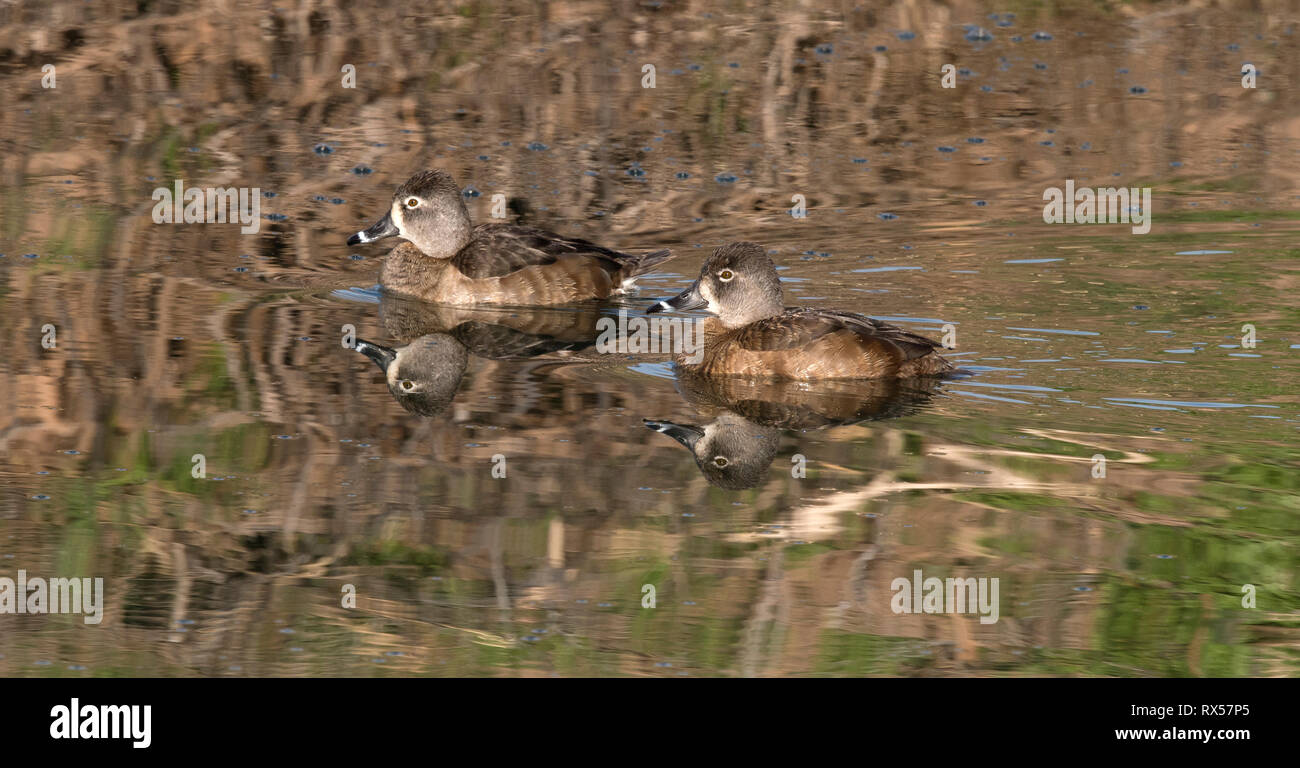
[1184,403]
[1054,330]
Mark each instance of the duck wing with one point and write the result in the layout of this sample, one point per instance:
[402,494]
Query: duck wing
[801,326]
[496,250]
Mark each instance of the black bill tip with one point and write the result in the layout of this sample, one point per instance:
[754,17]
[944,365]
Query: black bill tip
[383,356]
[377,231]
[685,434]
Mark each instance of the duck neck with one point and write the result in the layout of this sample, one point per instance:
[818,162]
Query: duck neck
[752,311]
[444,232]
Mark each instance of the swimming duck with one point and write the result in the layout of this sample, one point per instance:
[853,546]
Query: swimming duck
[755,335]
[448,260]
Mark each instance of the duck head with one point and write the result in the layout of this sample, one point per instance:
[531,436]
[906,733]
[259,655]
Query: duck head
[732,452]
[422,376]
[429,211]
[738,283]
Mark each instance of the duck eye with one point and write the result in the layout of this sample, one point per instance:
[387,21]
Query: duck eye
[412,202]
[720,461]
[726,275]
[408,385]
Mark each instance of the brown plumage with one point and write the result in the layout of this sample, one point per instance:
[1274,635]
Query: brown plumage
[451,261]
[754,335]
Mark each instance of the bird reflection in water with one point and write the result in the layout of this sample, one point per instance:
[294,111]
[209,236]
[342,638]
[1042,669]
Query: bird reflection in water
[424,374]
[735,449]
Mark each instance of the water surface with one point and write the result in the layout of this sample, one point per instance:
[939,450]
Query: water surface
[924,208]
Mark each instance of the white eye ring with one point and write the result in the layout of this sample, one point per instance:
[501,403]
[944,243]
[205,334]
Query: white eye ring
[408,385]
[720,461]
[726,275]
[412,202]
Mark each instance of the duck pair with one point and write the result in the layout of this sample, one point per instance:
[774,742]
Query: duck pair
[448,260]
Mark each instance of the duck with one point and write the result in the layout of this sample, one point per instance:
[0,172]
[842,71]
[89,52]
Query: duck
[446,259]
[753,334]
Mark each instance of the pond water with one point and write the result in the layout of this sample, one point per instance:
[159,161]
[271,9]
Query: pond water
[184,420]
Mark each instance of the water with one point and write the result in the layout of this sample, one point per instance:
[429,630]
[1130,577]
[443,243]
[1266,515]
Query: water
[321,484]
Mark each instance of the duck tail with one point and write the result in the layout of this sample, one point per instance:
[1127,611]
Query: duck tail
[932,364]
[637,265]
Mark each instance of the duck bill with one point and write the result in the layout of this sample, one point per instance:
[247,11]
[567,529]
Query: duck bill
[686,300]
[378,231]
[685,434]
[383,356]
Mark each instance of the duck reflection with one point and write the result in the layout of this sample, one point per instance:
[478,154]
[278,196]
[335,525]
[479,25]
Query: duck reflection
[496,333]
[735,449]
[424,374]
